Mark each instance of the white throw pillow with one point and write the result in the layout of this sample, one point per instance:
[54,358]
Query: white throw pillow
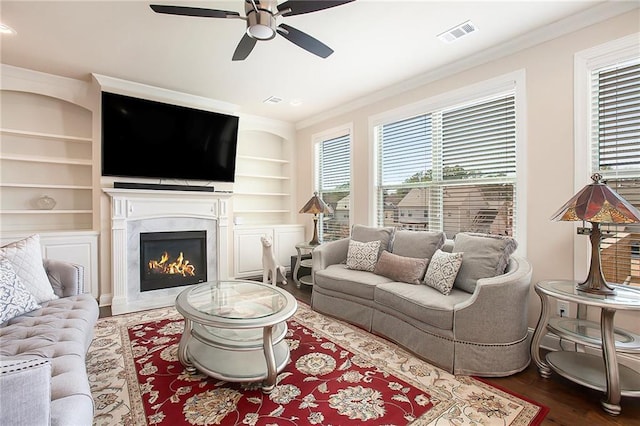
[362,256]
[15,299]
[442,271]
[26,258]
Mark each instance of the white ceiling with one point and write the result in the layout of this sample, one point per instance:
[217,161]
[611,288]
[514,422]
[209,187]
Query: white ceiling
[377,44]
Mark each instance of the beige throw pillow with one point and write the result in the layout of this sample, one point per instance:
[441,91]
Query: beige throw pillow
[362,256]
[442,271]
[399,268]
[26,259]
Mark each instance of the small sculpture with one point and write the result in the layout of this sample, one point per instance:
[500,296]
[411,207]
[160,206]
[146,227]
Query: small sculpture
[270,265]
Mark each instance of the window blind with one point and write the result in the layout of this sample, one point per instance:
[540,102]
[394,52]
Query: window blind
[452,169]
[333,162]
[616,148]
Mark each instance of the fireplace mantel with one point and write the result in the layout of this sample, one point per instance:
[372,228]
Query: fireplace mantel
[155,207]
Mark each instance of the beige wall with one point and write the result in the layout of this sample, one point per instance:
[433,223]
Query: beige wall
[549,145]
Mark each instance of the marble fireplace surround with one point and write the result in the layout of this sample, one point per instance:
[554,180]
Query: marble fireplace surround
[134,211]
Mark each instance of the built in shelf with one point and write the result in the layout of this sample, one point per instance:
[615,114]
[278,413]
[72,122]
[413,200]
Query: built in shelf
[265,159]
[50,160]
[260,194]
[44,186]
[261,211]
[257,176]
[39,211]
[45,135]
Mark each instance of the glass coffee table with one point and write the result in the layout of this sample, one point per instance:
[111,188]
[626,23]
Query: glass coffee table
[234,330]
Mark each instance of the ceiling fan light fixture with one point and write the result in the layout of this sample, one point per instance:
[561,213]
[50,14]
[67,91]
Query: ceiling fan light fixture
[261,25]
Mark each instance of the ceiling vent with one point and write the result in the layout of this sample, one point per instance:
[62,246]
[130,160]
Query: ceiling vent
[272,100]
[457,32]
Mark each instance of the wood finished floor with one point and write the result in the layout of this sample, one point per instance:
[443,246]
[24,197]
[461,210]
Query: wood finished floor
[569,403]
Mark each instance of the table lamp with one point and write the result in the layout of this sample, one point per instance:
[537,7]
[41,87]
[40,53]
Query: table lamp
[597,203]
[315,206]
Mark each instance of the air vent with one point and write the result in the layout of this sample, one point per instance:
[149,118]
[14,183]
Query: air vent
[457,32]
[272,100]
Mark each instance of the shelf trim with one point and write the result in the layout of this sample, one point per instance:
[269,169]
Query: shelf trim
[266,159]
[53,211]
[261,211]
[50,160]
[47,186]
[631,347]
[247,175]
[45,135]
[259,194]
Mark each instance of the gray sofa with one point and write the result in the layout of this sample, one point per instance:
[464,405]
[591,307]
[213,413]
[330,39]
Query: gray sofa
[43,377]
[479,328]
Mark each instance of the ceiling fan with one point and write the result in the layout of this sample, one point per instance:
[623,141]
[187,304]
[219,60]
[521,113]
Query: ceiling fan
[261,16]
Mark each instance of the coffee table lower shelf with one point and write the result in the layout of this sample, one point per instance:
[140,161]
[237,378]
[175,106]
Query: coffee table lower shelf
[234,365]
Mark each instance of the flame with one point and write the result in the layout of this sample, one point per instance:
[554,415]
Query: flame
[179,266]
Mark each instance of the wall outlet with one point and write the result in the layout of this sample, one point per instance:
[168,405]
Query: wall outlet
[562,308]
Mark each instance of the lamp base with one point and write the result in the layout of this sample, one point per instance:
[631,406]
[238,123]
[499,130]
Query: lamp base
[314,240]
[595,282]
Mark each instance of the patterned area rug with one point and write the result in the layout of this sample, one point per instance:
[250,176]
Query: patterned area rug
[338,375]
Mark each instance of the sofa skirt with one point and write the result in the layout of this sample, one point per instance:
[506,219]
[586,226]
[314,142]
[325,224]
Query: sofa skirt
[352,311]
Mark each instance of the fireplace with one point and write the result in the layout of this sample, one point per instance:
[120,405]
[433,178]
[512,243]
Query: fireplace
[172,259]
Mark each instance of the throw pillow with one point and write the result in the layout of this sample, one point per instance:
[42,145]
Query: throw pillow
[419,244]
[365,234]
[26,258]
[399,268]
[485,256]
[362,256]
[15,299]
[442,271]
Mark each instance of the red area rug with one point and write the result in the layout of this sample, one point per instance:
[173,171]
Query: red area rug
[338,375]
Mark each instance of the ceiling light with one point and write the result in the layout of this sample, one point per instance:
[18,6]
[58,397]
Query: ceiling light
[5,29]
[295,102]
[272,100]
[261,25]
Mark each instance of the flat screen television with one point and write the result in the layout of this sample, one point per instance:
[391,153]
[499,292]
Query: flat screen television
[148,139]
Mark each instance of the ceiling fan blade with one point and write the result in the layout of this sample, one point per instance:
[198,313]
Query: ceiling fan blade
[245,47]
[298,7]
[304,40]
[194,11]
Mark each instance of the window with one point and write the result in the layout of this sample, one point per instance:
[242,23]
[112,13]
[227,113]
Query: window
[333,181]
[452,168]
[615,154]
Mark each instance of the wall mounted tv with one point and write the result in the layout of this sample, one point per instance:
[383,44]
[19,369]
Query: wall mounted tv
[148,139]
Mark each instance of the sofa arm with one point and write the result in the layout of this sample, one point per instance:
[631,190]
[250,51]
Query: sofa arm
[25,391]
[67,279]
[330,253]
[497,310]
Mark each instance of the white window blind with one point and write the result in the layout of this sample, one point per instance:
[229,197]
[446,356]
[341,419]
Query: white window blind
[615,142]
[452,169]
[333,171]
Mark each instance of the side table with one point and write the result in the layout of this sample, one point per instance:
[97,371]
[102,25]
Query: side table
[595,372]
[307,263]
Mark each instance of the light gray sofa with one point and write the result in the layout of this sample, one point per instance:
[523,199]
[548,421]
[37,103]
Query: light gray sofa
[43,377]
[479,328]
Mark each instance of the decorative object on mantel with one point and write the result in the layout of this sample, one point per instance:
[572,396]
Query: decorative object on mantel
[45,203]
[597,203]
[315,206]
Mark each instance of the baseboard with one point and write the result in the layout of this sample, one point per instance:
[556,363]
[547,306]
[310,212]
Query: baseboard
[105,299]
[553,343]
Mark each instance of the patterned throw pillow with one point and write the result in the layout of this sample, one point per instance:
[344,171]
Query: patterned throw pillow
[442,271]
[15,299]
[362,256]
[400,268]
[26,258]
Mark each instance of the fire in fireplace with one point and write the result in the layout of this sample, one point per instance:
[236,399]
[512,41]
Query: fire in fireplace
[172,259]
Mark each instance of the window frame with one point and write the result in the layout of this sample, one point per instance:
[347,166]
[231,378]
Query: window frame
[326,135]
[515,82]
[619,50]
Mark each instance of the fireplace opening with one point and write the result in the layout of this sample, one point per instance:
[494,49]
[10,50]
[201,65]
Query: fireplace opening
[172,259]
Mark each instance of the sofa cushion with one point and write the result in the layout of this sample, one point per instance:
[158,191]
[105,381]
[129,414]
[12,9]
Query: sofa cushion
[399,268]
[365,234]
[15,299]
[347,281]
[485,256]
[442,271]
[362,256]
[26,258]
[423,303]
[419,244]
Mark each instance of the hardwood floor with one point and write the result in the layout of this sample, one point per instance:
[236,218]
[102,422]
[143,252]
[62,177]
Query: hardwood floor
[569,404]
